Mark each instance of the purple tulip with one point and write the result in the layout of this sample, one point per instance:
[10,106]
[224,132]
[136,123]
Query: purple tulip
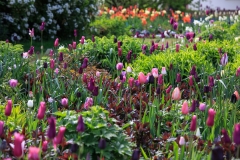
[31,50]
[75,33]
[178,79]
[80,124]
[13,83]
[85,63]
[51,132]
[60,58]
[8,108]
[119,66]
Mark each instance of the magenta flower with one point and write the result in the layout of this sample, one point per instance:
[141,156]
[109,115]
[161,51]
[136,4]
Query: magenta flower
[60,58]
[119,66]
[51,132]
[56,42]
[195,47]
[45,146]
[64,101]
[58,139]
[82,40]
[236,134]
[1,128]
[74,45]
[131,82]
[52,63]
[13,83]
[51,53]
[160,79]
[42,26]
[33,153]
[31,32]
[93,38]
[70,47]
[18,146]
[210,81]
[190,82]
[80,125]
[168,90]
[210,119]
[41,110]
[226,138]
[193,125]
[238,72]
[85,63]
[31,50]
[172,21]
[178,79]
[56,71]
[84,78]
[175,26]
[8,109]
[95,91]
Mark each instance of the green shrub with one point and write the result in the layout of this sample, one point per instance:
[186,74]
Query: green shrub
[106,26]
[97,125]
[183,61]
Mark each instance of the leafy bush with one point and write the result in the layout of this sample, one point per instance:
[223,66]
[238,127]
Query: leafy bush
[97,125]
[105,26]
[183,61]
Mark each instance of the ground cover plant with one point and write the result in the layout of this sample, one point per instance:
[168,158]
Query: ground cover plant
[122,97]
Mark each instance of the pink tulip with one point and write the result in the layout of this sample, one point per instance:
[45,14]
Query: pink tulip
[13,83]
[236,134]
[141,78]
[210,119]
[119,66]
[131,82]
[34,153]
[41,110]
[176,94]
[8,109]
[18,145]
[74,45]
[168,90]
[193,125]
[202,106]
[58,139]
[182,141]
[185,108]
[64,101]
[56,42]
[155,72]
[31,32]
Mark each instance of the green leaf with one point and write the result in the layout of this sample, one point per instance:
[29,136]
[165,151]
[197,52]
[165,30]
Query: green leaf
[143,153]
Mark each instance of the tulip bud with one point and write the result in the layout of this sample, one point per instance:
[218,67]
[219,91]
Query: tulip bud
[18,145]
[141,78]
[210,119]
[164,72]
[44,146]
[178,79]
[193,125]
[41,110]
[119,66]
[136,154]
[52,63]
[226,138]
[202,106]
[58,139]
[13,83]
[177,47]
[82,40]
[80,125]
[176,94]
[155,72]
[190,82]
[30,103]
[182,141]
[64,101]
[195,104]
[102,143]
[238,72]
[185,108]
[60,58]
[1,128]
[8,108]
[85,63]
[74,45]
[51,132]
[56,42]
[88,103]
[210,81]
